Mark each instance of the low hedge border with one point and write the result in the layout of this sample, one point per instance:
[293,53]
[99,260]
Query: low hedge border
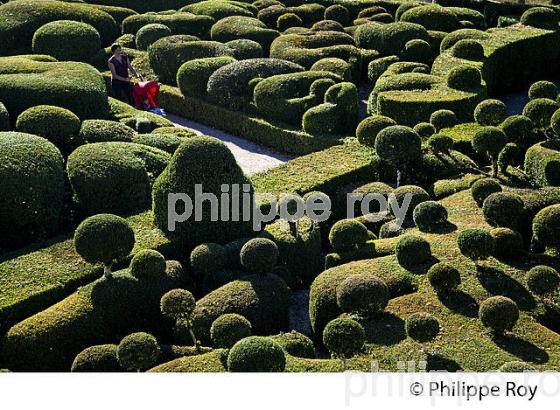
[250,127]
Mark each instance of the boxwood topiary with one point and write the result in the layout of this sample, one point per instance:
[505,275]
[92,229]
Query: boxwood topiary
[147,264]
[540,111]
[503,209]
[98,358]
[417,196]
[509,243]
[490,141]
[105,130]
[288,20]
[432,17]
[412,250]
[218,9]
[165,142]
[390,230]
[499,313]
[4,118]
[540,17]
[347,234]
[440,143]
[364,294]
[179,23]
[228,329]
[67,40]
[417,50]
[344,338]
[256,354]
[441,119]
[208,258]
[388,39]
[464,78]
[337,13]
[295,344]
[192,77]
[58,125]
[518,129]
[369,128]
[32,189]
[490,112]
[476,243]
[429,215]
[543,280]
[244,49]
[398,144]
[138,351]
[336,66]
[462,34]
[177,304]
[150,33]
[468,49]
[259,255]
[422,327]
[543,89]
[424,129]
[482,188]
[444,278]
[241,27]
[546,225]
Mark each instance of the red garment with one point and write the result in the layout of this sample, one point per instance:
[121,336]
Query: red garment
[145,94]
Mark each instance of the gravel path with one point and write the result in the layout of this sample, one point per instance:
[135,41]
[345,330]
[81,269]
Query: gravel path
[298,313]
[252,158]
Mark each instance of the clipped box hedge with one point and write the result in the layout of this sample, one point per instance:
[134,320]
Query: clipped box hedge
[542,163]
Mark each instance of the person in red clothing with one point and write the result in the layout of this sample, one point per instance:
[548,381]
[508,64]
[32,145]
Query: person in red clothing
[120,66]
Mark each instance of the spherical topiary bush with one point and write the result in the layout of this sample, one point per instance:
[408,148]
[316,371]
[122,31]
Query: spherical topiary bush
[347,234]
[543,280]
[177,304]
[490,112]
[256,354]
[440,143]
[503,209]
[443,119]
[288,20]
[208,258]
[32,188]
[138,351]
[498,313]
[390,230]
[546,225]
[422,327]
[476,243]
[468,49]
[490,141]
[464,77]
[343,338]
[104,238]
[367,130]
[483,188]
[540,17]
[424,129]
[517,367]
[147,264]
[99,358]
[416,194]
[149,34]
[259,255]
[59,125]
[67,40]
[429,215]
[228,329]
[509,243]
[518,129]
[397,144]
[417,50]
[543,89]
[337,13]
[444,277]
[364,294]
[540,111]
[412,250]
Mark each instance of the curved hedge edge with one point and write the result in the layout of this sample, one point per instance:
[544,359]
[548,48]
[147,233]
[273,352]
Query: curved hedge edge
[54,270]
[243,125]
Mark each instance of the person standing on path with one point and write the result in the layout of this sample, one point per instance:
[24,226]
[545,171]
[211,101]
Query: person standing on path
[120,66]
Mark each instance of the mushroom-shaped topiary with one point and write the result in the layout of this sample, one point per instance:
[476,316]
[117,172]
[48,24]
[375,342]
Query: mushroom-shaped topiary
[412,250]
[483,188]
[422,327]
[443,119]
[259,255]
[490,112]
[347,234]
[208,258]
[517,367]
[543,280]
[540,111]
[519,129]
[429,215]
[509,243]
[440,143]
[148,264]
[476,243]
[540,17]
[363,294]
[417,50]
[177,304]
[105,239]
[543,89]
[398,145]
[138,351]
[343,338]
[444,278]
[228,329]
[99,358]
[499,313]
[490,141]
[367,130]
[424,129]
[256,354]
[503,209]
[546,226]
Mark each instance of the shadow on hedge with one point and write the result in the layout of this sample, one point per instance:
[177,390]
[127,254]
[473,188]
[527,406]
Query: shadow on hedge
[460,302]
[497,282]
[386,329]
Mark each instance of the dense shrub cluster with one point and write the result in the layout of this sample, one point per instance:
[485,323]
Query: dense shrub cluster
[509,243]
[362,294]
[543,280]
[444,277]
[388,39]
[343,337]
[228,329]
[503,209]
[429,215]
[499,313]
[256,354]
[412,250]
[476,243]
[150,33]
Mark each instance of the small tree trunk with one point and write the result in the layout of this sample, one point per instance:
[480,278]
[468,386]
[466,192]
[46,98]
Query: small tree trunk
[107,271]
[398,178]
[294,229]
[193,337]
[494,168]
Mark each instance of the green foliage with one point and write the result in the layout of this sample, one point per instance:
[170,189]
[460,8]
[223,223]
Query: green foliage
[499,313]
[241,27]
[193,76]
[482,188]
[462,34]
[288,20]
[179,23]
[218,9]
[490,112]
[98,358]
[518,129]
[417,50]
[32,189]
[543,89]
[444,278]
[363,294]
[295,344]
[441,119]
[543,280]
[347,234]
[344,338]
[490,141]
[388,39]
[177,304]
[546,225]
[256,354]
[424,129]
[138,351]
[422,327]
[464,77]
[476,243]
[104,238]
[432,17]
[542,163]
[165,142]
[509,243]
[208,258]
[243,49]
[105,130]
[309,13]
[429,215]
[412,250]
[440,143]
[555,122]
[468,49]
[540,17]
[150,33]
[540,111]
[503,209]
[148,264]
[259,255]
[517,367]
[228,329]
[4,118]
[67,40]
[337,13]
[398,144]
[336,66]
[417,195]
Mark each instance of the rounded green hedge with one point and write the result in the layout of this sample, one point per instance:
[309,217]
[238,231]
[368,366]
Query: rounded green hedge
[444,278]
[509,155]
[337,13]
[462,34]
[464,77]
[432,17]
[440,143]
[288,20]
[295,344]
[241,27]
[193,76]
[483,188]
[543,89]
[509,243]
[476,243]
[67,40]
[503,209]
[256,354]
[540,111]
[441,119]
[244,49]
[517,367]
[398,144]
[424,129]
[180,23]
[518,129]
[104,131]
[147,264]
[417,196]
[499,313]
[138,351]
[347,234]
[422,327]
[177,303]
[429,215]
[58,125]
[417,50]
[388,39]
[4,118]
[208,258]
[543,280]
[32,189]
[490,112]
[219,9]
[228,329]
[540,17]
[259,255]
[344,338]
[98,358]
[150,33]
[364,294]
[412,250]
[546,225]
[468,49]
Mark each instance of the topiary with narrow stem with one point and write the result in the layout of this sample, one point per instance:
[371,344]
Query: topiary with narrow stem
[138,351]
[259,255]
[490,141]
[343,338]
